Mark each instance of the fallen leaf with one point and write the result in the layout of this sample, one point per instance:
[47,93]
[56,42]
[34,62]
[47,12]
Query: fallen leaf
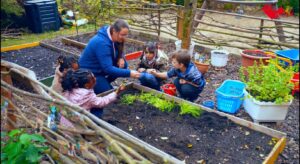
[189,145]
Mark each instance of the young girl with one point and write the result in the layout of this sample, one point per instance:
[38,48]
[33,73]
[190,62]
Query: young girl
[78,88]
[64,63]
[149,61]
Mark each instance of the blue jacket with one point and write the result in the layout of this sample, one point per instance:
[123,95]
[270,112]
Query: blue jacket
[100,57]
[192,74]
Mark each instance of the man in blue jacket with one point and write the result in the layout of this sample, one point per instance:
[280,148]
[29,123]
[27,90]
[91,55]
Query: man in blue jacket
[104,56]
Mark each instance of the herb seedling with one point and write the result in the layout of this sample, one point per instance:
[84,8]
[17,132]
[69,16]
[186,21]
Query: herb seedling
[186,108]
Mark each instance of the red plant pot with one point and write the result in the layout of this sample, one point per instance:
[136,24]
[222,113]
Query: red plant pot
[295,81]
[169,89]
[134,55]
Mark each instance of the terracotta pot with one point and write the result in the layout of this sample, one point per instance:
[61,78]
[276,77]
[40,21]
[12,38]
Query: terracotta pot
[249,56]
[202,67]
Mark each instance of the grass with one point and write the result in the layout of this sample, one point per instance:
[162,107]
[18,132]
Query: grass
[31,37]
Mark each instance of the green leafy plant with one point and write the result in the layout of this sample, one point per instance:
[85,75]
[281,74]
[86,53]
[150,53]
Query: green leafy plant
[267,83]
[20,147]
[157,101]
[186,108]
[128,99]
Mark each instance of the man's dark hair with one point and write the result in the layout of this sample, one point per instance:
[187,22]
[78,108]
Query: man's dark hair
[117,27]
[182,57]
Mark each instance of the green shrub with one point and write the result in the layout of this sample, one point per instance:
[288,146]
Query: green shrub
[21,147]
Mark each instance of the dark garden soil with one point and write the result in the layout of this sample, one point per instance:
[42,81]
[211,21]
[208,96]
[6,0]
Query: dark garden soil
[38,59]
[214,78]
[212,138]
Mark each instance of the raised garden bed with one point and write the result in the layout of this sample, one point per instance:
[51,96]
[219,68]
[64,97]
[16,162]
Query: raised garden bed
[214,137]
[39,59]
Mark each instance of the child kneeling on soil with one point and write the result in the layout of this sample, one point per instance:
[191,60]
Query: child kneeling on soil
[64,63]
[78,88]
[189,82]
[148,62]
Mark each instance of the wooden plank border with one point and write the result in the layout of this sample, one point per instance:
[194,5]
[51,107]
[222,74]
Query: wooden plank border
[21,46]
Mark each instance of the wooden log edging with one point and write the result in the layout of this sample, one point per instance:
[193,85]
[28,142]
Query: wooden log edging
[272,156]
[49,46]
[21,46]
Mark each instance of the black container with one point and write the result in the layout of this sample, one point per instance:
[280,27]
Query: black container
[42,15]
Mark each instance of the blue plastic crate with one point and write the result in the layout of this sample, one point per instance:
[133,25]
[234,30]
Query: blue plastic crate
[230,96]
[292,54]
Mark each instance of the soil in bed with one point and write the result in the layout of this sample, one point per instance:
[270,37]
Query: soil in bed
[212,138]
[38,59]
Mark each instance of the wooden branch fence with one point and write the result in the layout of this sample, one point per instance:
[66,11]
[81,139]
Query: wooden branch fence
[96,140]
[167,19]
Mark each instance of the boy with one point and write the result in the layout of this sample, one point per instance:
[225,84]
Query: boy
[189,82]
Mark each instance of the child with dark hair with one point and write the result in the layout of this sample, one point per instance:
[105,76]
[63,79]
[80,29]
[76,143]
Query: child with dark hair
[189,82]
[78,88]
[63,64]
[149,61]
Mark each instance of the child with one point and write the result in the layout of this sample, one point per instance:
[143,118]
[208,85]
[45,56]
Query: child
[189,82]
[64,63]
[78,88]
[149,61]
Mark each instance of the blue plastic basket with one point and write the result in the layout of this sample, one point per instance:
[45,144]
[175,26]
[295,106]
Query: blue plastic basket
[292,54]
[230,96]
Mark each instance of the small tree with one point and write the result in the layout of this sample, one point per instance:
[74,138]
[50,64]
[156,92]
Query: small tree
[94,10]
[74,6]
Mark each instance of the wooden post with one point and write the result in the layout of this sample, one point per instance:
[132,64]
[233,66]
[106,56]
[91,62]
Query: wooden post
[179,23]
[158,32]
[8,95]
[199,15]
[279,27]
[189,14]
[261,30]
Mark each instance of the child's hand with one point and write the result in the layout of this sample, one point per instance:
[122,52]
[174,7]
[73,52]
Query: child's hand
[121,63]
[182,81]
[152,71]
[121,88]
[141,70]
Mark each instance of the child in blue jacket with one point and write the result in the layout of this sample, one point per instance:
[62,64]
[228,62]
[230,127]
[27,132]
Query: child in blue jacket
[189,82]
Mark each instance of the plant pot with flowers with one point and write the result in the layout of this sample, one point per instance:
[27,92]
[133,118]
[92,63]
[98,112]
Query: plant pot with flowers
[202,63]
[268,91]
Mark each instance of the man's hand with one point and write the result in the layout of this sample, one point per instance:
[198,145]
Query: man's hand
[182,81]
[141,70]
[121,63]
[135,74]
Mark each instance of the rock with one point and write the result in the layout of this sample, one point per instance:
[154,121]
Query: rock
[284,156]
